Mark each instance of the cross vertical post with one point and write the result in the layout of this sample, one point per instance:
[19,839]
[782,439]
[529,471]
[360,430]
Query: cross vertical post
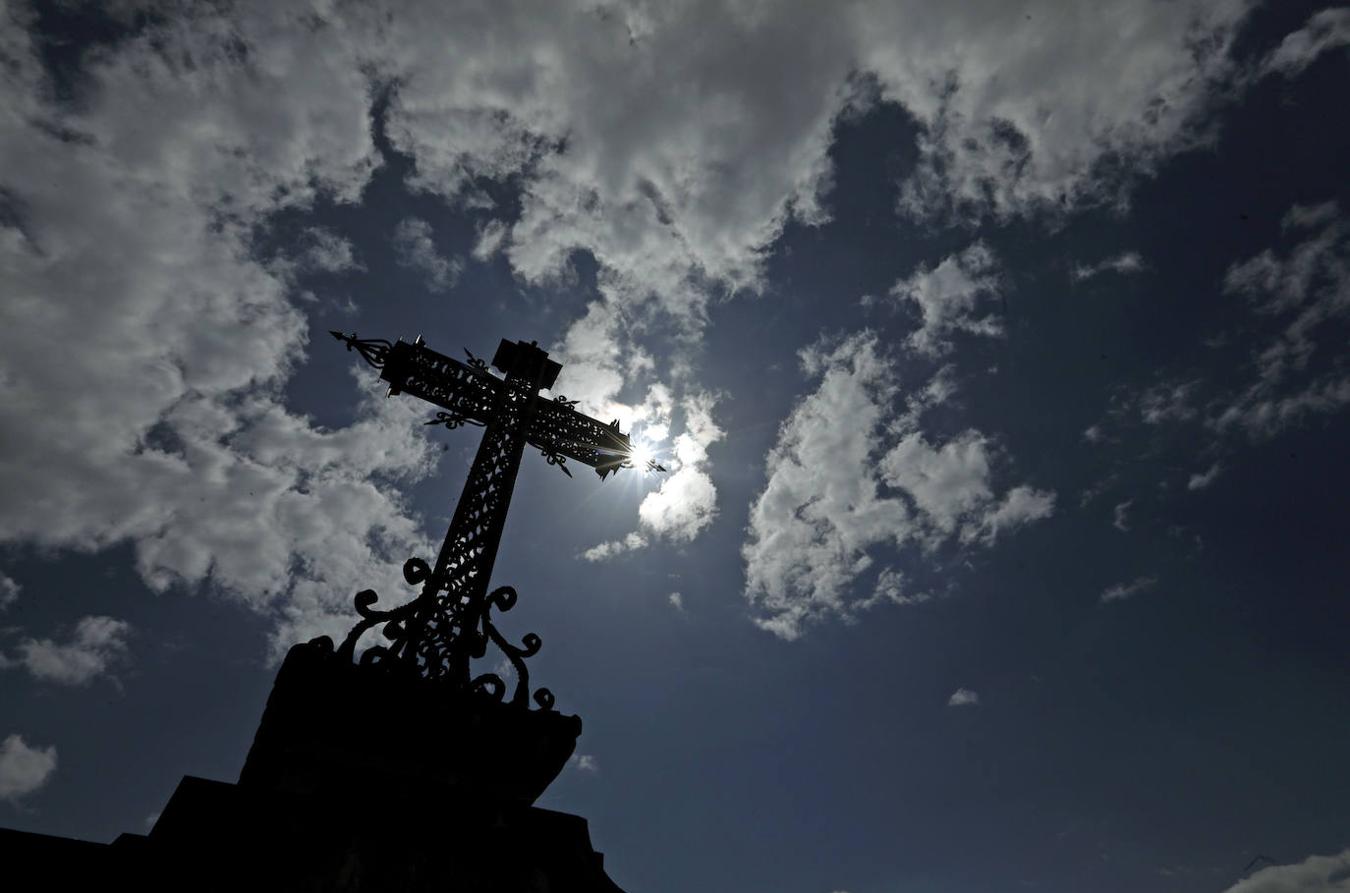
[470,547]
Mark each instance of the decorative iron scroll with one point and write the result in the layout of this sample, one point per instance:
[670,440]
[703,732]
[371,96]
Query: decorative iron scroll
[553,458]
[452,420]
[373,350]
[472,627]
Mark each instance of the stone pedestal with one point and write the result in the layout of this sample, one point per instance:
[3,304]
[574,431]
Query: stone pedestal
[358,780]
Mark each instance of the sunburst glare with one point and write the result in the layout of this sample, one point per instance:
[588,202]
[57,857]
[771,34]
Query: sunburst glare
[644,452]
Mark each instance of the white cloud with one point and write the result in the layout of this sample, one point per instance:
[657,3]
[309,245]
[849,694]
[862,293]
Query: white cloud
[1121,591]
[963,697]
[686,502]
[892,588]
[948,297]
[325,251]
[945,482]
[416,249]
[1125,264]
[94,646]
[1309,216]
[1315,874]
[608,550]
[1121,516]
[23,769]
[1326,30]
[9,591]
[1168,402]
[1299,296]
[823,508]
[1302,293]
[675,141]
[584,762]
[1019,142]
[1201,480]
[1021,506]
[677,602]
[490,235]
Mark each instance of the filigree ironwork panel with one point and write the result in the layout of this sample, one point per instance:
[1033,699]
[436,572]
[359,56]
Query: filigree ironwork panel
[466,391]
[559,430]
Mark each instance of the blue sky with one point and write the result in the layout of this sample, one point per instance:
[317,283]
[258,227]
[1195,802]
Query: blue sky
[996,350]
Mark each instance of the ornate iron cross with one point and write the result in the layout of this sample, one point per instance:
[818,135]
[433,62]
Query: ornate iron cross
[449,623]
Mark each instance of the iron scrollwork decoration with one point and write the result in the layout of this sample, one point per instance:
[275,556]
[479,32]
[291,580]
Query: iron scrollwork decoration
[475,363]
[472,630]
[374,351]
[554,458]
[453,420]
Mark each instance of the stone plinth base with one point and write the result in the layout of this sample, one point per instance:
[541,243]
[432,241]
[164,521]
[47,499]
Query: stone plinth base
[359,779]
[218,836]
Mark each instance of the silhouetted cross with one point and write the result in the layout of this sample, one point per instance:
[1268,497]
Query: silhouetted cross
[448,623]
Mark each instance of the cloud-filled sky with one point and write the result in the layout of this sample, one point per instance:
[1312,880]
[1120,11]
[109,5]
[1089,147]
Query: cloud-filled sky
[996,352]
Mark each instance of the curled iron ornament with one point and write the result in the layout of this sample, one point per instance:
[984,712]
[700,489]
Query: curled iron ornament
[373,350]
[554,458]
[453,420]
[476,363]
[432,641]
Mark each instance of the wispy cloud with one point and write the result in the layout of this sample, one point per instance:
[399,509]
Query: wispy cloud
[1122,591]
[1301,292]
[325,251]
[1124,264]
[1202,479]
[953,297]
[23,768]
[1121,516]
[489,238]
[9,591]
[964,697]
[94,646]
[1315,874]
[1326,30]
[607,550]
[415,247]
[585,763]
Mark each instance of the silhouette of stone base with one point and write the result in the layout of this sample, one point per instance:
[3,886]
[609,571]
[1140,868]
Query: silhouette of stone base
[359,779]
[331,725]
[218,836]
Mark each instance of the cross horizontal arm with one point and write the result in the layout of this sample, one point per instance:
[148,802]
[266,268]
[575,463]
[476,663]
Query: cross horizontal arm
[469,392]
[558,429]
